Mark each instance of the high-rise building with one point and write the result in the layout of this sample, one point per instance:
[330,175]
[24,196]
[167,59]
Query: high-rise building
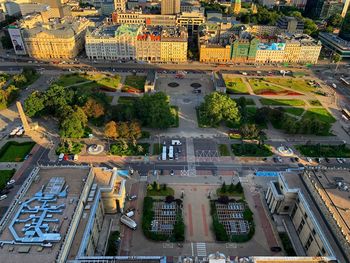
[345,8]
[329,8]
[313,8]
[236,5]
[170,7]
[120,5]
[345,28]
[292,25]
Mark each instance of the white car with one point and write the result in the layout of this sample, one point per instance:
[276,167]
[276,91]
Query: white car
[343,160]
[309,159]
[11,182]
[339,160]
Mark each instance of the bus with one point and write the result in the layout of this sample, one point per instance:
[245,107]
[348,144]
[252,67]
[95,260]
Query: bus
[164,153]
[345,82]
[171,152]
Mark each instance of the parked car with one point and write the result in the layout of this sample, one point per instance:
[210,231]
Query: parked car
[131,197]
[309,159]
[11,182]
[171,172]
[3,197]
[276,249]
[339,160]
[128,222]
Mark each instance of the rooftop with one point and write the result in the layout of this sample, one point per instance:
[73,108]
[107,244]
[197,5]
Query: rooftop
[44,212]
[336,40]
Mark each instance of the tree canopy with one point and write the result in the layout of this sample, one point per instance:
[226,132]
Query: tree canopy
[218,107]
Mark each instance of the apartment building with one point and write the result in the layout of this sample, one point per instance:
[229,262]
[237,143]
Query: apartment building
[191,20]
[170,7]
[117,42]
[57,38]
[291,25]
[136,17]
[174,44]
[148,45]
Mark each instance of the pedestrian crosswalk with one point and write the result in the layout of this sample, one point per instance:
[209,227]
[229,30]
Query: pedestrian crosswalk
[201,250]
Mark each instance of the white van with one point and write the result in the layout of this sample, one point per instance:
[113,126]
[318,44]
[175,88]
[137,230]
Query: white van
[60,157]
[128,222]
[130,214]
[75,157]
[3,197]
[175,142]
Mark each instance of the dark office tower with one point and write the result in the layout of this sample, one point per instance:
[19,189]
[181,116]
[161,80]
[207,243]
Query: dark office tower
[345,28]
[313,8]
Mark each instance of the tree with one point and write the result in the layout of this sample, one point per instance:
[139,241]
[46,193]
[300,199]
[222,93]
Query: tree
[20,79]
[335,20]
[249,131]
[56,97]
[223,188]
[34,104]
[153,110]
[123,130]
[310,27]
[218,107]
[135,130]
[81,115]
[111,130]
[72,126]
[179,229]
[336,57]
[93,109]
[6,41]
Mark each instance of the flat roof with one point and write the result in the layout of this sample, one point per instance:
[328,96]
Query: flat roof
[74,180]
[333,188]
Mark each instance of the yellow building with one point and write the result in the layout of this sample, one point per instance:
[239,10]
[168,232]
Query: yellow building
[269,56]
[59,38]
[214,53]
[173,46]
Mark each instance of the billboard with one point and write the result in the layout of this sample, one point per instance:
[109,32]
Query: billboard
[17,41]
[271,46]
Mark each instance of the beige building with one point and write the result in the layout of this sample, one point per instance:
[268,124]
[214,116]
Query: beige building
[261,30]
[170,7]
[148,45]
[136,17]
[120,5]
[58,38]
[301,220]
[212,53]
[191,20]
[87,11]
[112,42]
[173,47]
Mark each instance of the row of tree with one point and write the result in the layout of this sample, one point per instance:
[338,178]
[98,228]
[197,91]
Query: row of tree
[130,131]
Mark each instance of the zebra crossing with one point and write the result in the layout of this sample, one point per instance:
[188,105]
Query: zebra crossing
[201,250]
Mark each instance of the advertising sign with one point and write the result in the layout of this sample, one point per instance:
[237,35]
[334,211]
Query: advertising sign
[17,41]
[271,46]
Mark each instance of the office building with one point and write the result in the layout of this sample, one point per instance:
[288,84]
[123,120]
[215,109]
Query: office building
[329,8]
[336,44]
[190,5]
[170,7]
[236,6]
[191,20]
[58,38]
[291,25]
[312,221]
[313,8]
[344,32]
[136,17]
[120,5]
[117,42]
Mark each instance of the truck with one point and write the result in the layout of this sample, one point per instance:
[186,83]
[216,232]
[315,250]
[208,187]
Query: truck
[128,222]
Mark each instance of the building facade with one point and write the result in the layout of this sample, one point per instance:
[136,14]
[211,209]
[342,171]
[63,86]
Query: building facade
[291,25]
[170,7]
[173,47]
[112,42]
[60,38]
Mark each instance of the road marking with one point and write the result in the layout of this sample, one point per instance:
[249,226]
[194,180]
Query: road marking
[192,249]
[205,224]
[190,225]
[168,245]
[231,245]
[201,250]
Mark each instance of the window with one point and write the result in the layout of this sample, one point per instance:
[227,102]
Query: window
[286,208]
[313,232]
[300,228]
[308,242]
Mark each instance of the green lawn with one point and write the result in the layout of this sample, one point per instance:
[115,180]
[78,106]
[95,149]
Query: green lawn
[282,102]
[162,191]
[157,148]
[70,79]
[136,82]
[15,152]
[250,149]
[5,176]
[260,87]
[294,111]
[314,102]
[320,114]
[223,149]
[110,82]
[324,150]
[175,112]
[300,85]
[235,86]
